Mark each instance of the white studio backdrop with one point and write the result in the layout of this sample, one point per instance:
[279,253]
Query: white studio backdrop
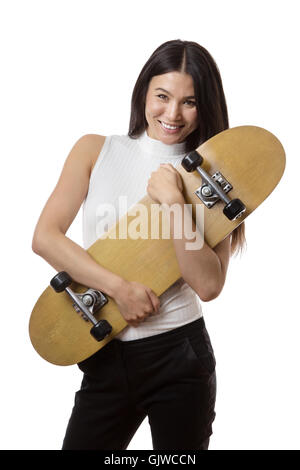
[68,68]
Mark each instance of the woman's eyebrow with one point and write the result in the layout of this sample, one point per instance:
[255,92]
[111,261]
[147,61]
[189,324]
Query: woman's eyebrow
[165,91]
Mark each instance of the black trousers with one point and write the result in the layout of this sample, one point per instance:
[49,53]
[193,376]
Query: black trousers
[169,377]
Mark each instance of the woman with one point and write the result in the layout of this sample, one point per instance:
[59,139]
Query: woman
[162,365]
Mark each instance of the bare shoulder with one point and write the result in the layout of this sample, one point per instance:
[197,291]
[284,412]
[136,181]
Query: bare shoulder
[87,149]
[72,186]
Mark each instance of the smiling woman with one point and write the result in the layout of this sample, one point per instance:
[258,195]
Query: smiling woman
[180,85]
[162,364]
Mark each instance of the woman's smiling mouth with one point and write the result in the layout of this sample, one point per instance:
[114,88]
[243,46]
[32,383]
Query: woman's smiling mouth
[170,128]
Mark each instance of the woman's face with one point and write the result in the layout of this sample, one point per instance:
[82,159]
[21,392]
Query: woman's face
[170,108]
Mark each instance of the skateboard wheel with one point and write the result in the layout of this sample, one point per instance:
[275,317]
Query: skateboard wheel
[101,330]
[191,161]
[234,209]
[61,281]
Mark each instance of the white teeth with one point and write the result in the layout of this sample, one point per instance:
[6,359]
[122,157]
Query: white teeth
[167,126]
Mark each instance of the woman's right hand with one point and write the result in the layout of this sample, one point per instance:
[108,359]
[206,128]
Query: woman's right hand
[136,302]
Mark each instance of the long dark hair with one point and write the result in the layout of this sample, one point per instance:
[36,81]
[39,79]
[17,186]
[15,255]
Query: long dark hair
[193,59]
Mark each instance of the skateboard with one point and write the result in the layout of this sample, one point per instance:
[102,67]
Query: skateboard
[229,175]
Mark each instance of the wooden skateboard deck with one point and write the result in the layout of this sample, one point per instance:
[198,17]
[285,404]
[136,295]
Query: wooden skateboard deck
[250,158]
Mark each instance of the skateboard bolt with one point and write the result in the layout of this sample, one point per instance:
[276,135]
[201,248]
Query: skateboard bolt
[206,191]
[87,300]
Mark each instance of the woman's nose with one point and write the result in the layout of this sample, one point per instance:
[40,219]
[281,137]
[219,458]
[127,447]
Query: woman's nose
[173,111]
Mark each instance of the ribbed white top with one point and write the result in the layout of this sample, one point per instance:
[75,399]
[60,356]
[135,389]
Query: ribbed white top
[119,180]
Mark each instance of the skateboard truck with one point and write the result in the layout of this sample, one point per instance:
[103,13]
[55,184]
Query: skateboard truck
[87,304]
[214,187]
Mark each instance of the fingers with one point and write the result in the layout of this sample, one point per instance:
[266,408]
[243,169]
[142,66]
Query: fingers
[154,300]
[170,167]
[149,309]
[137,303]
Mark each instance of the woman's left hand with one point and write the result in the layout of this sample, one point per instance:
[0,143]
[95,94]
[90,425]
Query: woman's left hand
[165,185]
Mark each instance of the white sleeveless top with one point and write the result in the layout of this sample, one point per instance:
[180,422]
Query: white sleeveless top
[119,180]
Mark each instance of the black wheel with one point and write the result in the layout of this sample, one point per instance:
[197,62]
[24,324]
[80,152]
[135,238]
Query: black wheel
[101,330]
[61,281]
[191,161]
[234,209]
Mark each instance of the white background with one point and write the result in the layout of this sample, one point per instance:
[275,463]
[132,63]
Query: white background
[68,68]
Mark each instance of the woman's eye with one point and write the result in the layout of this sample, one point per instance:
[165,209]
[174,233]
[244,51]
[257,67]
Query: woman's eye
[163,97]
[190,103]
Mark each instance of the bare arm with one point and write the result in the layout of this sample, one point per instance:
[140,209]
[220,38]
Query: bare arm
[204,269]
[50,242]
